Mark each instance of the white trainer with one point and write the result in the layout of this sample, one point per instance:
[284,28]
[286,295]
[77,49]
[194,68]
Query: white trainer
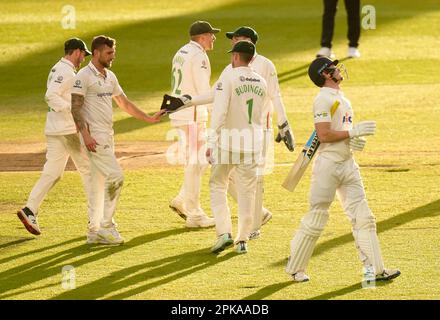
[92,238]
[353,52]
[109,236]
[300,276]
[179,207]
[199,221]
[267,215]
[254,235]
[325,52]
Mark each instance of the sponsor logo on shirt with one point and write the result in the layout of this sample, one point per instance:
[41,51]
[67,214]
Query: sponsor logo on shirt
[183,51]
[77,84]
[251,79]
[219,86]
[59,79]
[204,65]
[321,114]
[347,118]
[242,79]
[53,70]
[104,94]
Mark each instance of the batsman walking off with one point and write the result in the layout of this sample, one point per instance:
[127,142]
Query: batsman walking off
[93,89]
[235,142]
[336,172]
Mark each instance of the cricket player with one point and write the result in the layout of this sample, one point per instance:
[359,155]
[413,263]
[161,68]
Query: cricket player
[61,134]
[267,70]
[93,89]
[191,73]
[235,141]
[335,171]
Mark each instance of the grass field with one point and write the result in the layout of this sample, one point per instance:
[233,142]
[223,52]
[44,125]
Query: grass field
[395,82]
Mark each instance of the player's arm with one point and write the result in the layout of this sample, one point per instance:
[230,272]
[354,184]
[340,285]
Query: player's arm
[285,133]
[326,134]
[125,104]
[221,104]
[80,122]
[56,86]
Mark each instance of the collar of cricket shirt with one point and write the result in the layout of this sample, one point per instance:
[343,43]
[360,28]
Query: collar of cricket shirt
[70,64]
[96,71]
[332,91]
[197,45]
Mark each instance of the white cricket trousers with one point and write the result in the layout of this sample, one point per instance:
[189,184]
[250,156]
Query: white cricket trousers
[246,182]
[328,178]
[107,180]
[59,148]
[193,138]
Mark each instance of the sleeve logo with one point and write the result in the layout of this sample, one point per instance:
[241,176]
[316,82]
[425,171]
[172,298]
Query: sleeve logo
[321,114]
[77,84]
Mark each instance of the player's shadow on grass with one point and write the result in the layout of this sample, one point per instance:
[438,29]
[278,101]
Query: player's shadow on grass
[49,266]
[427,211]
[13,243]
[146,276]
[350,289]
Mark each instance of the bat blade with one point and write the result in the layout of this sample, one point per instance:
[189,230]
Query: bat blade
[301,163]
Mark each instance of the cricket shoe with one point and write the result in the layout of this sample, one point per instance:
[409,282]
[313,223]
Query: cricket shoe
[241,247]
[353,52]
[254,235]
[325,52]
[223,241]
[388,274]
[267,215]
[199,221]
[300,276]
[109,236]
[29,220]
[92,238]
[179,207]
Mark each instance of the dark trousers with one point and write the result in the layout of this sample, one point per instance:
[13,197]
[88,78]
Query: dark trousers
[353,20]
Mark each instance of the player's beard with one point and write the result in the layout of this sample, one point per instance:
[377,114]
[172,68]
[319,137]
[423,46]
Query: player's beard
[106,64]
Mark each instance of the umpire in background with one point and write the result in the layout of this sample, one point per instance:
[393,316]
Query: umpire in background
[328,24]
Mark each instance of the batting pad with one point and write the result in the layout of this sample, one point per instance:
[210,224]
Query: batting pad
[302,245]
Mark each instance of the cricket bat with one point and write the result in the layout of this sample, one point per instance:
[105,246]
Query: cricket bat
[304,158]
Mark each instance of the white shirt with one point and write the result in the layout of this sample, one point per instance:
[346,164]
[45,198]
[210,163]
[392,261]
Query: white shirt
[59,120]
[98,91]
[239,111]
[341,120]
[265,68]
[191,73]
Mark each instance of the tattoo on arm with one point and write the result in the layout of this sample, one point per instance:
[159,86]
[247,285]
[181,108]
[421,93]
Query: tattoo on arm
[77,104]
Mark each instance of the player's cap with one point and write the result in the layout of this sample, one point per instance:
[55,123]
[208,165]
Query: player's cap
[76,43]
[247,32]
[317,67]
[244,46]
[200,27]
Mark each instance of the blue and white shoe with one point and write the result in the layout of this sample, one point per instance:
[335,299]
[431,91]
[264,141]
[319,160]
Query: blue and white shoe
[223,241]
[241,247]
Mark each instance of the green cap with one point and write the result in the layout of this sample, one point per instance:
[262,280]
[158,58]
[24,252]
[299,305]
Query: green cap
[76,43]
[200,27]
[244,46]
[247,32]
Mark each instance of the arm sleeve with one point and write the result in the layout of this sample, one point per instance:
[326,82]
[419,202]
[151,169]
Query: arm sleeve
[117,89]
[80,84]
[275,94]
[321,110]
[201,73]
[220,109]
[58,83]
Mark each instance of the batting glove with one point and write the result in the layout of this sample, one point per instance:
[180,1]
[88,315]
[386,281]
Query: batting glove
[173,104]
[357,143]
[364,128]
[285,134]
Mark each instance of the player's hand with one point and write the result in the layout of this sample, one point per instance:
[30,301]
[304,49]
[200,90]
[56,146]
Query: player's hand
[89,142]
[364,128]
[285,134]
[357,143]
[208,155]
[171,104]
[155,117]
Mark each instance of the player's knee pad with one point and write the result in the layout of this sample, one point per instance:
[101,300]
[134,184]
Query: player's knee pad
[313,223]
